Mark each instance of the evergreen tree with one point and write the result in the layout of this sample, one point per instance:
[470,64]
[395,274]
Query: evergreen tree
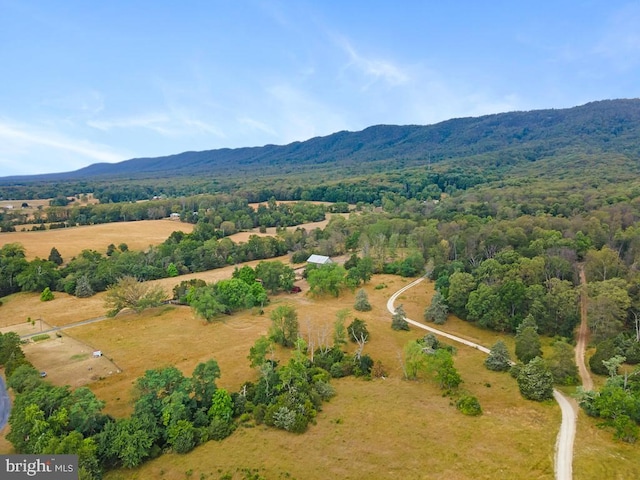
[362,301]
[399,321]
[535,380]
[438,310]
[55,256]
[499,359]
[83,287]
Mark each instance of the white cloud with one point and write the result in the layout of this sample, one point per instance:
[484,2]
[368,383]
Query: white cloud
[29,148]
[374,68]
[175,124]
[257,125]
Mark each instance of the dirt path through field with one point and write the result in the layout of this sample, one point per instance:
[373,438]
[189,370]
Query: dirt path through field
[583,335]
[566,435]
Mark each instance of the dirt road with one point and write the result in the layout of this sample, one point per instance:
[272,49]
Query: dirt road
[583,335]
[564,444]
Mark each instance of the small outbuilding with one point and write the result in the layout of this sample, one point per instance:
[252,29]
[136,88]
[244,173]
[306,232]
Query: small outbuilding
[319,260]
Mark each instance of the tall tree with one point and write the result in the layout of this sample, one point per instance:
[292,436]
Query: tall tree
[535,380]
[528,345]
[498,359]
[399,319]
[362,301]
[438,310]
[284,325]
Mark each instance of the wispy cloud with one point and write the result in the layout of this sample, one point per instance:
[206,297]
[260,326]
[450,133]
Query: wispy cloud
[170,125]
[28,149]
[257,125]
[28,136]
[374,68]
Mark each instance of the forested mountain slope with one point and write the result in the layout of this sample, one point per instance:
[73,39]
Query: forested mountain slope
[610,126]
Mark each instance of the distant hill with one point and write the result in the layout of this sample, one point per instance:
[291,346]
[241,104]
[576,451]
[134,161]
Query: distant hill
[610,126]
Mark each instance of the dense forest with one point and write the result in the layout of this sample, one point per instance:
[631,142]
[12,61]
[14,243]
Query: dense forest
[502,212]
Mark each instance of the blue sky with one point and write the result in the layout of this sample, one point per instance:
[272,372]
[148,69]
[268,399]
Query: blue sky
[83,82]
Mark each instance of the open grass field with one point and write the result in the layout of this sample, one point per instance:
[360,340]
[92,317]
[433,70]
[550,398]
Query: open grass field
[71,241]
[384,428]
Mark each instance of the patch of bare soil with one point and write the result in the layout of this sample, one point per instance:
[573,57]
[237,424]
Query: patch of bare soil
[68,361]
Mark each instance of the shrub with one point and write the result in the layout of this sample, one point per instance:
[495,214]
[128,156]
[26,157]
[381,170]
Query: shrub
[41,337]
[46,295]
[469,405]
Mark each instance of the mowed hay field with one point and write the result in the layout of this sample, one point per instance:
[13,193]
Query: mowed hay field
[384,428]
[71,241]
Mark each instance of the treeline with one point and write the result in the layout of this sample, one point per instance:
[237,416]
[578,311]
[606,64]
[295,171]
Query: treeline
[227,213]
[172,412]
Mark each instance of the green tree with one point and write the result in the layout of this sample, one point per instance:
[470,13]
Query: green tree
[172,270]
[205,303]
[258,352]
[362,301]
[438,310]
[275,276]
[127,441]
[245,273]
[535,381]
[603,264]
[38,275]
[327,280]
[415,360]
[46,295]
[221,406]
[203,383]
[181,436]
[446,374]
[55,257]
[528,345]
[399,319]
[461,284]
[339,329]
[128,292]
[607,307]
[284,325]
[83,287]
[498,359]
[562,364]
[12,263]
[357,330]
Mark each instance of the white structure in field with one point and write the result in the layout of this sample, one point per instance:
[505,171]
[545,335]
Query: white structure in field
[319,259]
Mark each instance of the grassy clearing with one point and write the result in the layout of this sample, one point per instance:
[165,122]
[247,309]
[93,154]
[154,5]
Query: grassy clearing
[71,241]
[387,428]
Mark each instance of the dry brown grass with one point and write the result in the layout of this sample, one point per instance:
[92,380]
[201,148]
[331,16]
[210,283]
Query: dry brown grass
[71,241]
[387,428]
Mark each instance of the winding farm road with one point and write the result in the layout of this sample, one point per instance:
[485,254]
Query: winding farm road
[566,435]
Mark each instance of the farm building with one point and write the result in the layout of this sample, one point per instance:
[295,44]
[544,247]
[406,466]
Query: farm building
[319,259]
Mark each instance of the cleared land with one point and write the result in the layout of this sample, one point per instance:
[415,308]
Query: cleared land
[384,428]
[71,241]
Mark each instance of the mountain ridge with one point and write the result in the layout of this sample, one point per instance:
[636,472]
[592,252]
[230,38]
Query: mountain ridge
[605,125]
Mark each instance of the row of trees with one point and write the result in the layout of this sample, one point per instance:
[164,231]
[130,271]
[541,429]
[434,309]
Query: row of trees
[172,412]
